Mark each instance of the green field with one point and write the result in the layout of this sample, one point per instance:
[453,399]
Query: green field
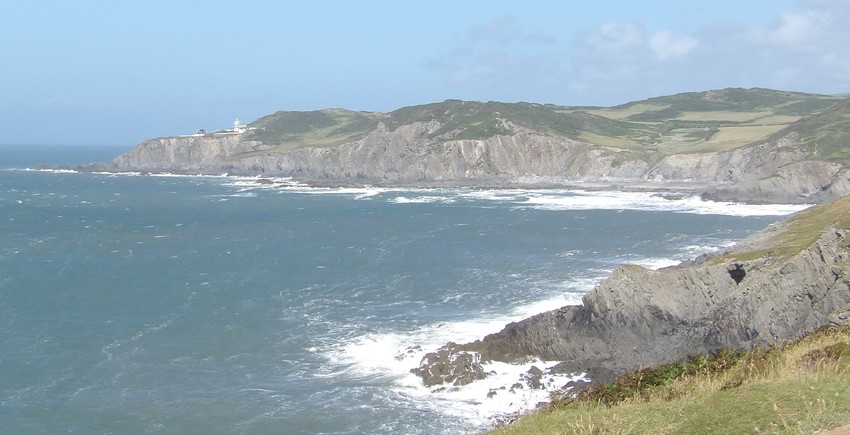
[683,123]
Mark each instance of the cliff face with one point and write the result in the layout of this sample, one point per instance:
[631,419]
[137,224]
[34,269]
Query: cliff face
[186,153]
[770,172]
[639,317]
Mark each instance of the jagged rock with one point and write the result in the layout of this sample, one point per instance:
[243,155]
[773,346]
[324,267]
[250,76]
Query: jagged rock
[640,317]
[448,366]
[840,317]
[533,377]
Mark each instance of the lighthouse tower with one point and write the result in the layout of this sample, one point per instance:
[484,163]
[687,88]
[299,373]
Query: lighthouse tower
[238,127]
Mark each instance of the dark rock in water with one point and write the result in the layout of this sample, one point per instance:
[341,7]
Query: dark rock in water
[576,385]
[640,317]
[533,378]
[448,366]
[99,167]
[672,196]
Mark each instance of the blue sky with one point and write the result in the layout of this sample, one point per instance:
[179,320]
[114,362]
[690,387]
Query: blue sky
[105,72]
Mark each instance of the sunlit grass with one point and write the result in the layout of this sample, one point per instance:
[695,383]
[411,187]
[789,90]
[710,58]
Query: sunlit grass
[621,113]
[800,231]
[724,116]
[684,123]
[745,133]
[799,388]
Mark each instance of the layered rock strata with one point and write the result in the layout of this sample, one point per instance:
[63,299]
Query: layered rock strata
[770,172]
[639,317]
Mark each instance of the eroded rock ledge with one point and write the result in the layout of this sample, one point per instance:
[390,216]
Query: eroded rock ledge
[744,297]
[772,172]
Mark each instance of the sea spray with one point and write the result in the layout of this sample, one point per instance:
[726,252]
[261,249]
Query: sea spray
[215,303]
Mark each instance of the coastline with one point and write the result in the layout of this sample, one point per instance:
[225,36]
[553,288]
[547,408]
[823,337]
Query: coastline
[273,182]
[667,189]
[773,287]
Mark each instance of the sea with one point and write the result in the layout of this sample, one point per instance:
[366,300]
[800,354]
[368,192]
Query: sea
[162,304]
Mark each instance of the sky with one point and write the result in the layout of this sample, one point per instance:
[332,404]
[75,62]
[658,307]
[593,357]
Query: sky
[116,73]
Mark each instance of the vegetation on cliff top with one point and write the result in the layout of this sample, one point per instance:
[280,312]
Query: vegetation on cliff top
[800,387]
[682,123]
[290,130]
[799,232]
[825,136]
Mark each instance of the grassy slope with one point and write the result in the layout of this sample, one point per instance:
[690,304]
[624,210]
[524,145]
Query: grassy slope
[718,120]
[798,388]
[826,136]
[801,387]
[290,130]
[689,122]
[801,230]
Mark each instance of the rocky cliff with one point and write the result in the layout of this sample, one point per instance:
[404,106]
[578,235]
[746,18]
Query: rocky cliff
[731,144]
[770,172]
[775,286]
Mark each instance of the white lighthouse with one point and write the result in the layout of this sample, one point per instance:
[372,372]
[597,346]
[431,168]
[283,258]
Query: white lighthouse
[238,127]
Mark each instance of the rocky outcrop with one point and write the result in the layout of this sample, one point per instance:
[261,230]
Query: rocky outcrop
[640,317]
[801,181]
[770,172]
[187,153]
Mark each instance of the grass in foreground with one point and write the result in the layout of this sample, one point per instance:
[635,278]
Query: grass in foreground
[801,387]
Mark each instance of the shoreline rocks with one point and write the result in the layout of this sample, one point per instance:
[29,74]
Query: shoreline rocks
[407,156]
[639,317]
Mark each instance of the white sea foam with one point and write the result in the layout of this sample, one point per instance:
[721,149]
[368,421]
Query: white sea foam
[656,263]
[356,192]
[54,171]
[543,199]
[563,200]
[425,199]
[501,195]
[389,357]
[650,201]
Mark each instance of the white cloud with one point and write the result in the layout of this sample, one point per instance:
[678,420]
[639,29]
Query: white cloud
[794,30]
[613,38]
[803,48]
[665,45]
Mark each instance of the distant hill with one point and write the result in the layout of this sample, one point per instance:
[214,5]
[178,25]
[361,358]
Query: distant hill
[825,135]
[687,122]
[756,145]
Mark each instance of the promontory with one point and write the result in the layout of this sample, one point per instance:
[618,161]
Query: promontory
[755,145]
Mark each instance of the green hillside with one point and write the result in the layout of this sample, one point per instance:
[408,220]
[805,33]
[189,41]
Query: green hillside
[827,135]
[803,387]
[290,130]
[719,120]
[687,122]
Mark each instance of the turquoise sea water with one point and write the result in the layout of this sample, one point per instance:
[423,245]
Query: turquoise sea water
[165,304]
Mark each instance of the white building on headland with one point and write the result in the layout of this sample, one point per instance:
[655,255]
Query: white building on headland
[238,128]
